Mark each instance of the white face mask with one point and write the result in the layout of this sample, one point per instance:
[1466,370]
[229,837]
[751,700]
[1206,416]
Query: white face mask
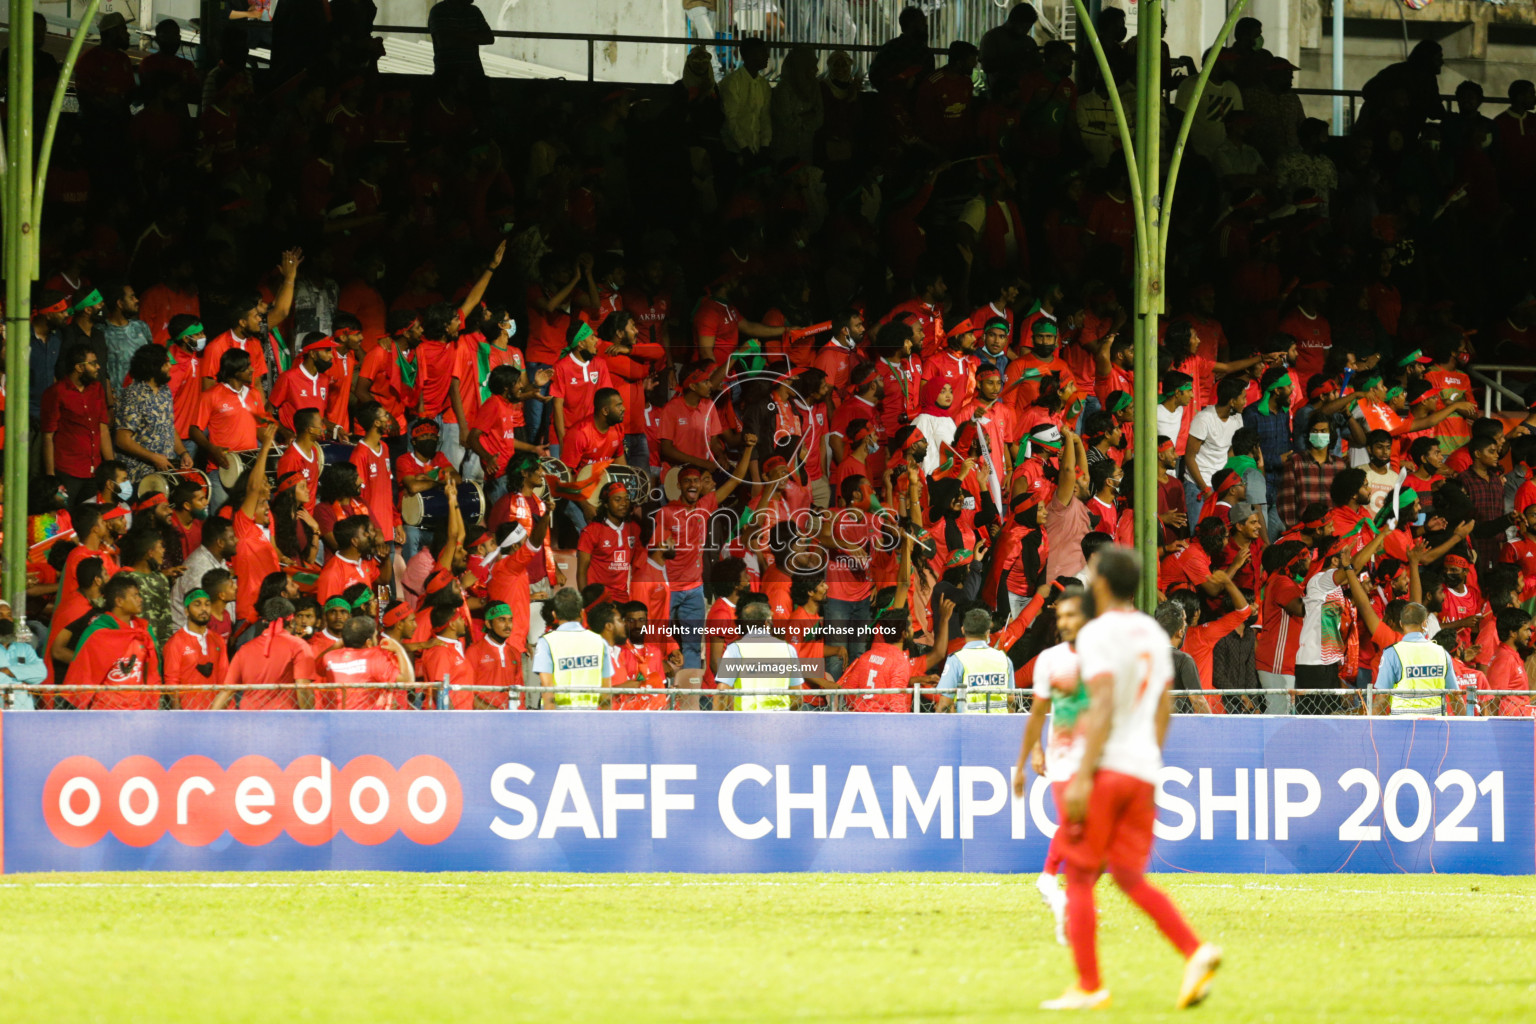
[1319,440]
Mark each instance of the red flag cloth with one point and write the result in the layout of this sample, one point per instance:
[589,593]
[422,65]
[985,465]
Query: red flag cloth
[115,657]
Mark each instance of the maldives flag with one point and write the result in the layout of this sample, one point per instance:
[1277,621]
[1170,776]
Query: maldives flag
[584,484]
[115,657]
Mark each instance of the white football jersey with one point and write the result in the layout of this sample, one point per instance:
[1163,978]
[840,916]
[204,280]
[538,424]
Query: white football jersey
[1132,648]
[1056,674]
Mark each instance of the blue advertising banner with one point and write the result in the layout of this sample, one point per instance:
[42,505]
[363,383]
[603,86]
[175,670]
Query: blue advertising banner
[709,792]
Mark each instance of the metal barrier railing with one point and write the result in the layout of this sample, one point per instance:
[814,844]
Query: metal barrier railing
[1350,700]
[1495,392]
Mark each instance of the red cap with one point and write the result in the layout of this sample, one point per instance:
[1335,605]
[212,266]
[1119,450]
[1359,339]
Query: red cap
[320,345]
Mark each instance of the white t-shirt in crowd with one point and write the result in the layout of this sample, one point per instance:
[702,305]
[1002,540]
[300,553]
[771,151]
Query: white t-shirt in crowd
[1133,648]
[1215,436]
[1168,423]
[1056,668]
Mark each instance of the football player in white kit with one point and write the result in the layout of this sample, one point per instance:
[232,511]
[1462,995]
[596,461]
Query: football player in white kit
[1059,691]
[1107,809]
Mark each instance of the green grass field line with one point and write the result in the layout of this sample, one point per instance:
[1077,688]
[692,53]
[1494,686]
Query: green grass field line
[366,947]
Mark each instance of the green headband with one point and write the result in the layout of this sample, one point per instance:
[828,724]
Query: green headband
[1186,386]
[91,299]
[337,602]
[1367,381]
[196,595]
[1411,357]
[1279,382]
[362,600]
[582,334]
[191,329]
[1043,327]
[1122,404]
[1393,392]
[1407,496]
[496,611]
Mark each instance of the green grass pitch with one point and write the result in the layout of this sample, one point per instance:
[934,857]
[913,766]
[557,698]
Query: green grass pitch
[887,948]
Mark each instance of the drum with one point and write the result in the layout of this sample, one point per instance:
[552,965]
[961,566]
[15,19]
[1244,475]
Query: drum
[239,462]
[161,483]
[636,481]
[432,506]
[334,452]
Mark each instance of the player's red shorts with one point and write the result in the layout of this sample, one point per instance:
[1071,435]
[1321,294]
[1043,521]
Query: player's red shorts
[1118,827]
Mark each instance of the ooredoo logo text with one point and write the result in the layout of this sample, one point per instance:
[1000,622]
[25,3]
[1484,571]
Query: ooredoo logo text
[196,800]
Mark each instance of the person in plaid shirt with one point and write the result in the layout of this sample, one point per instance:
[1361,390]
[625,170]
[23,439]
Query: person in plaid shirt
[1310,474]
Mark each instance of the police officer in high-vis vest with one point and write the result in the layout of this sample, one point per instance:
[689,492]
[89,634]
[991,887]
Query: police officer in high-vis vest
[571,655]
[980,676]
[1416,664]
[757,644]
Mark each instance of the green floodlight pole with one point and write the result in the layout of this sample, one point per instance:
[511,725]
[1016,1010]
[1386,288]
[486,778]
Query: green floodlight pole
[1143,161]
[22,189]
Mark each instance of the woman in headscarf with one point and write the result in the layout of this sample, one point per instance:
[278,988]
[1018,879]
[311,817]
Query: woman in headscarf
[934,421]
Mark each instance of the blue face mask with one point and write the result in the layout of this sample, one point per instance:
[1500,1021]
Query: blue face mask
[1422,519]
[124,490]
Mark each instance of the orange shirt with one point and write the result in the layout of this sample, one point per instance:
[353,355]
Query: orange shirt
[229,416]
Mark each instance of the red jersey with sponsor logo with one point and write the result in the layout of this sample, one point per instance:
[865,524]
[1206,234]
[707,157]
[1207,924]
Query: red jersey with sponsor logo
[186,388]
[497,421]
[352,666]
[278,658]
[613,550]
[1313,340]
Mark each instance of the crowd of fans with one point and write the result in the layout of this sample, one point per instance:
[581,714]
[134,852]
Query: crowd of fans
[345,380]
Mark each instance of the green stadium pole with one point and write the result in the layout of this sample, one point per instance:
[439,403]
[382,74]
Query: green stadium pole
[18,285]
[1151,205]
[22,190]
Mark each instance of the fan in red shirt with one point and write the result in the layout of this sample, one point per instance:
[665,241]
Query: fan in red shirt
[1042,360]
[925,309]
[728,582]
[1507,671]
[648,657]
[493,432]
[352,561]
[231,410]
[243,336]
[195,656]
[1309,327]
[955,366]
[116,649]
[256,557]
[308,385]
[184,346]
[388,373]
[692,422]
[599,437]
[497,661]
[1463,602]
[609,545]
[578,376]
[443,658]
[1280,616]
[886,665]
[358,661]
[276,656]
[718,325]
[839,354]
[371,458]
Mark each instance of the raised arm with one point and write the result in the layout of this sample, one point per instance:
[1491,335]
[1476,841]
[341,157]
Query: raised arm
[477,292]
